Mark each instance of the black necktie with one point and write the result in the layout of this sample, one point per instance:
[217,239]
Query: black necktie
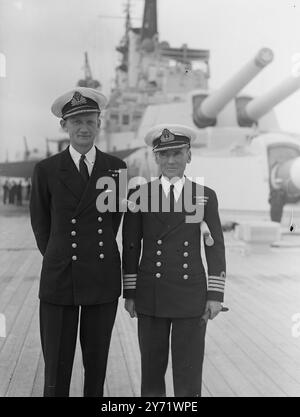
[83,169]
[172,198]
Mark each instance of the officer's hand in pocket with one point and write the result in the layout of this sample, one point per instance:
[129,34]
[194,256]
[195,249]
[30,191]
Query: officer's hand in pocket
[130,307]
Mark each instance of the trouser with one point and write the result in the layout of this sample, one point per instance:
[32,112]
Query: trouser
[58,326]
[5,196]
[187,347]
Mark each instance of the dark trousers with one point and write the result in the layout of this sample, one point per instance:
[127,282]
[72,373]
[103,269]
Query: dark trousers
[58,325]
[187,347]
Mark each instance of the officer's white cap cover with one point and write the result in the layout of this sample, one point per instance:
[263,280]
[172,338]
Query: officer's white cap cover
[170,136]
[79,100]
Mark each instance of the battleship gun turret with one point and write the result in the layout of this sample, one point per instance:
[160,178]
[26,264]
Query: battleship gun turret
[261,105]
[287,175]
[283,154]
[284,186]
[206,108]
[240,150]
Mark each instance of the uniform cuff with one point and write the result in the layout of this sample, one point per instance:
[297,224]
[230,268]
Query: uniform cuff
[129,281]
[215,296]
[129,294]
[216,286]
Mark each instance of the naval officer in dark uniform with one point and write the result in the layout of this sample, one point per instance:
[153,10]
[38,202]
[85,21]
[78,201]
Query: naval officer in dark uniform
[167,289]
[80,278]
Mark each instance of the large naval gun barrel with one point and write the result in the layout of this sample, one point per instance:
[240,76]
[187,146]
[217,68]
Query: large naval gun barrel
[259,106]
[207,110]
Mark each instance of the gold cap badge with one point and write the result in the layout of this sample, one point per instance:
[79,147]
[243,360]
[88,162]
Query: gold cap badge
[166,136]
[77,99]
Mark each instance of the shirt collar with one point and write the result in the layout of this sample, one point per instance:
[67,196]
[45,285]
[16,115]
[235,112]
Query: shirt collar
[178,185]
[90,156]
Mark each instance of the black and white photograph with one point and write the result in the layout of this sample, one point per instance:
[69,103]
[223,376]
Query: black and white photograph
[149,200]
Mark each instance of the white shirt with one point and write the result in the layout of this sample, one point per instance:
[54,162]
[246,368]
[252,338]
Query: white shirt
[90,157]
[178,185]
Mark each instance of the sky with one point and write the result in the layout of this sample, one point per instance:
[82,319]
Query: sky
[44,43]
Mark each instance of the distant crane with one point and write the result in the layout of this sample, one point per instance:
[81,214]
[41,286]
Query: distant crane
[88,80]
[27,151]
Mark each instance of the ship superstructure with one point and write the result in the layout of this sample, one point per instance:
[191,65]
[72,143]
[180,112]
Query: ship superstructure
[240,150]
[150,72]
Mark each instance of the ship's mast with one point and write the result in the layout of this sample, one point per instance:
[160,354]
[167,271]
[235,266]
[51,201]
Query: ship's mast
[87,68]
[149,28]
[149,72]
[124,43]
[88,80]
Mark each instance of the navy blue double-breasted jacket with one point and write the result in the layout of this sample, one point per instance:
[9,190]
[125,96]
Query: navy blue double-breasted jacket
[162,265]
[81,261]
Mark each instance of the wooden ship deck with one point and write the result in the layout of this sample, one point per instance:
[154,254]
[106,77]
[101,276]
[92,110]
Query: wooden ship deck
[250,350]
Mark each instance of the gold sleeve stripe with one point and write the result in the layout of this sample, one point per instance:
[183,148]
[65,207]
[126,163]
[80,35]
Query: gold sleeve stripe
[216,289]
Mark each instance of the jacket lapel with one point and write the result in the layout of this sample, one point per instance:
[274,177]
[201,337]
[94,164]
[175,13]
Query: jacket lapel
[189,191]
[159,215]
[90,193]
[70,176]
[168,221]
